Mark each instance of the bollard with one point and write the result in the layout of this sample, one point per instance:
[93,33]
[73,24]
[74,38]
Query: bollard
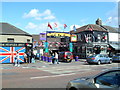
[42,58]
[45,58]
[76,58]
[49,59]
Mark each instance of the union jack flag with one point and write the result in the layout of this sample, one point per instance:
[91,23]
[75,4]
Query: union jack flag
[8,54]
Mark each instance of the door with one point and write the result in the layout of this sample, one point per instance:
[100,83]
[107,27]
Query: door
[102,58]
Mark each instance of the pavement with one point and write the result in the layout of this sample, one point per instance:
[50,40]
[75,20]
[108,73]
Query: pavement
[37,64]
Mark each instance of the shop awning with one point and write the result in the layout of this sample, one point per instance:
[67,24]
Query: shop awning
[115,46]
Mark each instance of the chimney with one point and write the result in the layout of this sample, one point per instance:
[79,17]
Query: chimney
[99,21]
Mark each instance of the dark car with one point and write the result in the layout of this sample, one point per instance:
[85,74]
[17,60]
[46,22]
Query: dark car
[106,79]
[99,58]
[66,56]
[116,57]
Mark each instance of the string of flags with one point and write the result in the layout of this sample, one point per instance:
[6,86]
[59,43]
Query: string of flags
[55,25]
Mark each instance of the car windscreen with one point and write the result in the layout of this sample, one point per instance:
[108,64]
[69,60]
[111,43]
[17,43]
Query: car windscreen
[93,55]
[68,53]
[61,53]
[118,54]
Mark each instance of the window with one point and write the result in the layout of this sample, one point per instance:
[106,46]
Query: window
[10,39]
[110,78]
[28,40]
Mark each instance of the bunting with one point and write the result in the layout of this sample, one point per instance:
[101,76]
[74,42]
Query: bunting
[49,26]
[55,24]
[65,26]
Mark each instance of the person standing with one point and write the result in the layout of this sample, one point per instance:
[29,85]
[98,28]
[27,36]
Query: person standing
[56,57]
[28,57]
[53,59]
[17,63]
[25,58]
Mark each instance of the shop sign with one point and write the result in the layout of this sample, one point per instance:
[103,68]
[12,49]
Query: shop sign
[12,44]
[56,34]
[73,38]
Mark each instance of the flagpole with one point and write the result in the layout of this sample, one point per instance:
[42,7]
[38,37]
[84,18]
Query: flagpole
[46,32]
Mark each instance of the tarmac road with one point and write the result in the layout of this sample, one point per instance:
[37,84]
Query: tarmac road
[46,75]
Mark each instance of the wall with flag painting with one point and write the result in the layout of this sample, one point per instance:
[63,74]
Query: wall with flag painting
[7,54]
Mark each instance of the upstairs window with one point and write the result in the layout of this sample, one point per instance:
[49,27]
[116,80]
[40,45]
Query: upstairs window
[10,39]
[28,40]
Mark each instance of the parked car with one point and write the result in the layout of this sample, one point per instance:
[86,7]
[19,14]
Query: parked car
[98,59]
[116,57]
[105,79]
[66,56]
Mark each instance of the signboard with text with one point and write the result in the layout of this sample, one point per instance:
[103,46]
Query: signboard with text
[54,34]
[73,38]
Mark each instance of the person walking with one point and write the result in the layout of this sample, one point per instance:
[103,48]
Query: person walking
[56,57]
[17,63]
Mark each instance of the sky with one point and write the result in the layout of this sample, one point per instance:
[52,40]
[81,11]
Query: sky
[33,17]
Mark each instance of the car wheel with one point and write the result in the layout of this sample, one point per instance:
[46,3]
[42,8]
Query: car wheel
[99,62]
[72,88]
[110,62]
[70,60]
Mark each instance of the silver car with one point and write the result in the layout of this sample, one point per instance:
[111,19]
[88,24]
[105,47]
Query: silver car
[106,79]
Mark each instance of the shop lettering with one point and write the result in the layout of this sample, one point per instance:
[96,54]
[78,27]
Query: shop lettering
[11,45]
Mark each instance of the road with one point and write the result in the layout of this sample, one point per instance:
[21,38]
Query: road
[46,75]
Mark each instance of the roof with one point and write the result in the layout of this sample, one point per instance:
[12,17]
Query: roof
[36,37]
[90,27]
[8,29]
[111,29]
[95,27]
[116,47]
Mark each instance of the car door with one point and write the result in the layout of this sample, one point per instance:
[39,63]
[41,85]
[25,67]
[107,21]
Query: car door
[108,80]
[106,58]
[102,58]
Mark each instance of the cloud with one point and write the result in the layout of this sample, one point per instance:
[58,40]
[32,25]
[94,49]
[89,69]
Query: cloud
[37,15]
[31,26]
[112,15]
[33,13]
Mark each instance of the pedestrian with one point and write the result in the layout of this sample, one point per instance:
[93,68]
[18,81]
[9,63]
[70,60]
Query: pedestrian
[53,59]
[33,57]
[56,57]
[28,57]
[17,62]
[25,58]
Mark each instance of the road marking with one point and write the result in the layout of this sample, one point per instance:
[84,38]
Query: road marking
[53,76]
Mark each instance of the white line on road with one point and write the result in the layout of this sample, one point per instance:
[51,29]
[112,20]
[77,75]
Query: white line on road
[53,76]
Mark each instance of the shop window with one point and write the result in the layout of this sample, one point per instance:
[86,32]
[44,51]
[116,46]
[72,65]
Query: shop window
[10,39]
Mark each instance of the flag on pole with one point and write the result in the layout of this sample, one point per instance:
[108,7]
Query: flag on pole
[55,24]
[49,26]
[74,28]
[65,26]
